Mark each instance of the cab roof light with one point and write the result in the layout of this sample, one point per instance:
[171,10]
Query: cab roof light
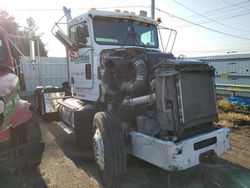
[117,10]
[159,19]
[125,11]
[93,8]
[143,13]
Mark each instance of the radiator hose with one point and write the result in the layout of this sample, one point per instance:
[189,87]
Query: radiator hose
[138,85]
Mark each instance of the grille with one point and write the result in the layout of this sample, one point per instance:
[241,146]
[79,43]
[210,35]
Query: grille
[197,94]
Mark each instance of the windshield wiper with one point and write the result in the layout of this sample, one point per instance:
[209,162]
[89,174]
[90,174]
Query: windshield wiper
[126,39]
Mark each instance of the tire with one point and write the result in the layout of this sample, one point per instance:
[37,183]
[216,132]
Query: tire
[27,133]
[109,149]
[34,135]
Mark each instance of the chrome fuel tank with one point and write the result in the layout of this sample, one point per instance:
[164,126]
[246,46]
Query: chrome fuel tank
[67,109]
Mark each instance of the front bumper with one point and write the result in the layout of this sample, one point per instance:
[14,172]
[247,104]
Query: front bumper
[14,158]
[182,155]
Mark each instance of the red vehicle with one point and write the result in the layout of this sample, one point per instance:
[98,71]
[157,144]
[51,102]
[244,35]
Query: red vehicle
[20,136]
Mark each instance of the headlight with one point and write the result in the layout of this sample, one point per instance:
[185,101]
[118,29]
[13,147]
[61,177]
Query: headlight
[2,106]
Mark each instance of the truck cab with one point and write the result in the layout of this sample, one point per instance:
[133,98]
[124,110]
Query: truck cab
[94,33]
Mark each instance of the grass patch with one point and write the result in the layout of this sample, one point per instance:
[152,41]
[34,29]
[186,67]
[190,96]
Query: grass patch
[226,106]
[233,119]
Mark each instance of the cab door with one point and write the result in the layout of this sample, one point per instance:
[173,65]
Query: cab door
[81,61]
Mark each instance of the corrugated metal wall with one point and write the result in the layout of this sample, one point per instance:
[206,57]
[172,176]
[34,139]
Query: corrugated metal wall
[46,71]
[230,69]
[52,71]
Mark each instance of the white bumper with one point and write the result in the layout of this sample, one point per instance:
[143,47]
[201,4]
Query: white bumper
[182,155]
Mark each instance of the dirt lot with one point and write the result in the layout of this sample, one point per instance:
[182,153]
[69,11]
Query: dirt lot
[64,166]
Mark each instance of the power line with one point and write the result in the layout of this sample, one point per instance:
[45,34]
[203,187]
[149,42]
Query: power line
[225,8]
[222,14]
[212,20]
[222,18]
[234,45]
[211,51]
[235,5]
[204,27]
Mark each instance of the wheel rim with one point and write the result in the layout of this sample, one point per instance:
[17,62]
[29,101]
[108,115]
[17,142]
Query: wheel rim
[98,149]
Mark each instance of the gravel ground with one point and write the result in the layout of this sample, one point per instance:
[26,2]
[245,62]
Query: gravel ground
[64,166]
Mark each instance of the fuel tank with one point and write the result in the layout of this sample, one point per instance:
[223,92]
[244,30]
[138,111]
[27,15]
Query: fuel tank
[67,110]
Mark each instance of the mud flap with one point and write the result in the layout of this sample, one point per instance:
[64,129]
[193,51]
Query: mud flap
[21,156]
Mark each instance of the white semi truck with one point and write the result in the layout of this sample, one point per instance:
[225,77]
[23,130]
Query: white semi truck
[124,96]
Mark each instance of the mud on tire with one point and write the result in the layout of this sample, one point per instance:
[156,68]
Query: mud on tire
[108,141]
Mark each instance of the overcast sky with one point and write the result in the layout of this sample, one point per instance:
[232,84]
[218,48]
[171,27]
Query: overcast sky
[224,24]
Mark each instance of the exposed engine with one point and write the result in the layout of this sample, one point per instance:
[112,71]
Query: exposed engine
[158,94]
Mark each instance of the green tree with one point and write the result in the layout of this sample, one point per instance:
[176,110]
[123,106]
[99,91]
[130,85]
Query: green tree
[8,22]
[28,32]
[32,28]
[31,32]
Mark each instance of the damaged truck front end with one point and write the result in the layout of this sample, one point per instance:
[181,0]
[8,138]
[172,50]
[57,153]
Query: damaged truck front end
[172,115]
[20,137]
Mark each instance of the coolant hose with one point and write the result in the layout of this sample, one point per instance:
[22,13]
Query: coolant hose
[137,85]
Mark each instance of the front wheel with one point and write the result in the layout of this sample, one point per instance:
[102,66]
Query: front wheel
[109,148]
[26,146]
[34,135]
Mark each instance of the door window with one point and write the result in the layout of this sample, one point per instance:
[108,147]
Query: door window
[79,34]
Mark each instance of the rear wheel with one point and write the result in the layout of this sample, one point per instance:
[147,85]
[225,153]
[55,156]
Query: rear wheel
[109,148]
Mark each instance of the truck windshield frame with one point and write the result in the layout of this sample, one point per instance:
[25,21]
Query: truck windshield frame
[125,32]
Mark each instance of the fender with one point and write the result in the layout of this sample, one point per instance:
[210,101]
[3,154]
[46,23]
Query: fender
[4,135]
[21,113]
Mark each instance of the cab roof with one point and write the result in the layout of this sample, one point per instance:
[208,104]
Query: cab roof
[109,14]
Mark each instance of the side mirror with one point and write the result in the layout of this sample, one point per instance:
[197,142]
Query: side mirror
[64,39]
[81,35]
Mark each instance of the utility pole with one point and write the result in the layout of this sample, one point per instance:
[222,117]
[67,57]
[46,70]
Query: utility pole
[153,9]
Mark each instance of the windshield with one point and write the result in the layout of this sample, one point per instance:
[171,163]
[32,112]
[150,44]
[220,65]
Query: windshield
[111,31]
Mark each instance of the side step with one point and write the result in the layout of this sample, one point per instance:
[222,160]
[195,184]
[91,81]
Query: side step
[65,127]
